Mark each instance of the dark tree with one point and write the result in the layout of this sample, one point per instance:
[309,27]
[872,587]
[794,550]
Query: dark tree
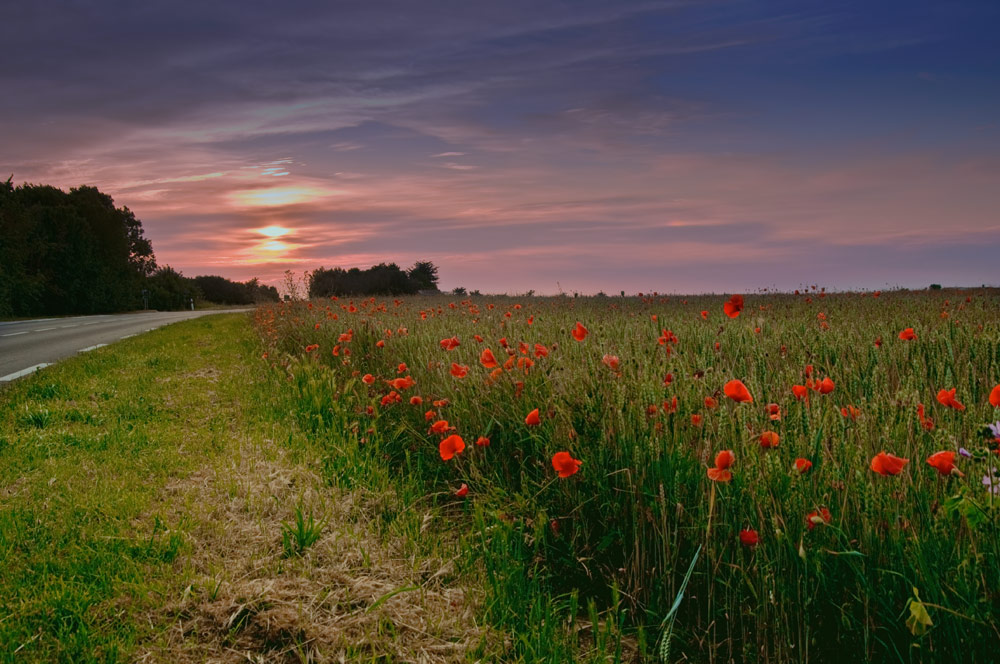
[424,275]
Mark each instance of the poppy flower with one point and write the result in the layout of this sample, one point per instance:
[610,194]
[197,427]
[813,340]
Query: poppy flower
[850,411]
[430,415]
[368,379]
[541,351]
[440,403]
[749,538]
[451,446]
[947,398]
[774,411]
[379,344]
[533,420]
[800,391]
[311,347]
[579,332]
[483,441]
[523,347]
[346,337]
[503,342]
[670,406]
[450,344]
[564,464]
[995,397]
[404,383]
[737,391]
[803,465]
[878,342]
[887,464]
[723,462]
[925,422]
[525,363]
[768,440]
[392,397]
[704,315]
[818,517]
[669,378]
[463,490]
[711,403]
[441,426]
[459,370]
[611,361]
[696,420]
[416,401]
[478,338]
[734,306]
[908,334]
[944,463]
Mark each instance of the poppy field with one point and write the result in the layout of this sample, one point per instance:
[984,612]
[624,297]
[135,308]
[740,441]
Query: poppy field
[760,477]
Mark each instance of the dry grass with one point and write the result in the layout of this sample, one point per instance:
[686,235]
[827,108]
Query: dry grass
[350,596]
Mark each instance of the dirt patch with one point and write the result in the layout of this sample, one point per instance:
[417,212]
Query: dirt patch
[348,596]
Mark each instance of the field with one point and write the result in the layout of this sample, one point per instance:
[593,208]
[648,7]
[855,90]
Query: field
[581,463]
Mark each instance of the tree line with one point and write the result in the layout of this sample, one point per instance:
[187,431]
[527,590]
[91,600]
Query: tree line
[76,253]
[381,279]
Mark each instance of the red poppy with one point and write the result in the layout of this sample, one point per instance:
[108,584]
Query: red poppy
[451,446]
[379,344]
[737,391]
[430,415]
[541,351]
[533,420]
[477,338]
[463,490]
[878,342]
[749,538]
[416,401]
[995,397]
[403,383]
[711,403]
[947,398]
[483,441]
[368,379]
[800,391]
[887,464]
[734,306]
[803,465]
[723,461]
[669,378]
[611,361]
[818,517]
[579,332]
[696,420]
[525,363]
[670,406]
[441,426]
[850,411]
[768,440]
[392,397]
[401,368]
[346,337]
[907,334]
[774,411]
[450,344]
[825,386]
[704,315]
[459,370]
[564,464]
[503,342]
[944,463]
[311,347]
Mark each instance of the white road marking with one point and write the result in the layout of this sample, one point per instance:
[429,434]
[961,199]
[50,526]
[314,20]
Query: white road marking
[66,327]
[13,334]
[93,322]
[89,348]
[43,329]
[127,336]
[23,372]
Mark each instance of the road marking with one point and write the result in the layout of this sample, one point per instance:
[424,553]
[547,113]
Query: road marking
[93,322]
[23,372]
[66,327]
[127,336]
[89,348]
[43,329]
[13,334]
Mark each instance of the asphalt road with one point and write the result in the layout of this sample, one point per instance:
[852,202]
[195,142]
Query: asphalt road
[28,345]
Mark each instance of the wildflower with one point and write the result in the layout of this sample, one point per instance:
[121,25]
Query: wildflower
[368,379]
[773,411]
[488,359]
[749,538]
[533,420]
[695,419]
[579,332]
[888,464]
[925,422]
[737,391]
[723,462]
[992,482]
[451,446]
[416,401]
[404,383]
[908,335]
[944,463]
[450,344]
[825,386]
[311,347]
[768,440]
[803,465]
[380,344]
[711,403]
[478,338]
[818,517]
[611,361]
[947,398]
[704,315]
[670,406]
[995,397]
[459,370]
[441,426]
[734,306]
[463,490]
[850,411]
[430,415]
[669,378]
[401,368]
[483,441]
[565,464]
[541,351]
[800,391]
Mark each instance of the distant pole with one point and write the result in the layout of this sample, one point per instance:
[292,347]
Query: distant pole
[192,304]
[145,299]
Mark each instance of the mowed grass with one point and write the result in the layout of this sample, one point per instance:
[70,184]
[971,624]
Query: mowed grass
[86,447]
[587,567]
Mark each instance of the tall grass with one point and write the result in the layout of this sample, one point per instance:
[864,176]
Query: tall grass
[618,536]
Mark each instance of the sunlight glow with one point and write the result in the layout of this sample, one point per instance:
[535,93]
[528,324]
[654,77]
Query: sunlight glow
[277,196]
[273,231]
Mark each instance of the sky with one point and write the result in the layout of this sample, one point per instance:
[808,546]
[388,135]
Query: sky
[573,146]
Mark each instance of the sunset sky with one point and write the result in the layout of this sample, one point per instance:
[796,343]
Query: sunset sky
[583,146]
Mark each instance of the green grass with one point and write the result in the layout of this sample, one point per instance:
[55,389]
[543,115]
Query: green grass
[586,568]
[86,448]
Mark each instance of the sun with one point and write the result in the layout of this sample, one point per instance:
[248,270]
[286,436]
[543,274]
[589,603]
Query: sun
[273,231]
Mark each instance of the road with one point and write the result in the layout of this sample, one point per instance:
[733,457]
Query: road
[28,345]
